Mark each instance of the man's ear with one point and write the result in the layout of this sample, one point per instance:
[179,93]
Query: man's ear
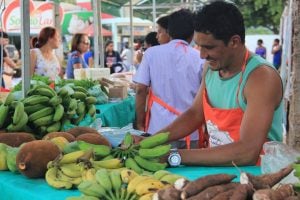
[234,41]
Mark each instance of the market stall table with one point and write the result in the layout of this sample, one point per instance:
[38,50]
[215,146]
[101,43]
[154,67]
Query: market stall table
[117,114]
[18,187]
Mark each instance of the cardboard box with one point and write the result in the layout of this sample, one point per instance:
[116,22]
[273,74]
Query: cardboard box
[117,92]
[115,89]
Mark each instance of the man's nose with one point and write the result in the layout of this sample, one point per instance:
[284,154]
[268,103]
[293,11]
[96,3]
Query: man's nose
[203,53]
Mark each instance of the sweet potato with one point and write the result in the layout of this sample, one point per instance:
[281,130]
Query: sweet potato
[279,194]
[224,195]
[169,193]
[292,198]
[242,192]
[269,180]
[210,192]
[202,183]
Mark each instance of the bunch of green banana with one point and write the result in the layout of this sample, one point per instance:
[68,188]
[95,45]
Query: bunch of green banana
[43,110]
[124,185]
[144,156]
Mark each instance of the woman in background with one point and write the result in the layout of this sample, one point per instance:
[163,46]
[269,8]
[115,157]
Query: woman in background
[44,62]
[260,49]
[79,45]
[112,58]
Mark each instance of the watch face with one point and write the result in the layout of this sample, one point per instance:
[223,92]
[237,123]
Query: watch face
[174,159]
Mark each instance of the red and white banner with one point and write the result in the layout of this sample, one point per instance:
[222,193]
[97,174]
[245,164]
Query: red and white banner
[85,4]
[40,16]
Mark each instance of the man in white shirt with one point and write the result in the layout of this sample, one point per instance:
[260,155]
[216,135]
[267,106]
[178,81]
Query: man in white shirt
[171,75]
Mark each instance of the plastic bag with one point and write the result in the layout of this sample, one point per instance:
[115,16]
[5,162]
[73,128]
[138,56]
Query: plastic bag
[115,135]
[99,94]
[277,156]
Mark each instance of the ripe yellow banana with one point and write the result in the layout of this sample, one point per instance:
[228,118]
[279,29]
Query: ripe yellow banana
[147,196]
[108,164]
[52,180]
[63,177]
[148,186]
[89,174]
[71,157]
[135,182]
[72,170]
[127,175]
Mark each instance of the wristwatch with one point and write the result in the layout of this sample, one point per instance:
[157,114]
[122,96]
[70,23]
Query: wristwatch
[174,158]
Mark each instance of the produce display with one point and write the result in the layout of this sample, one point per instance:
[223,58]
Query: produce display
[100,172]
[221,187]
[123,185]
[44,110]
[144,156]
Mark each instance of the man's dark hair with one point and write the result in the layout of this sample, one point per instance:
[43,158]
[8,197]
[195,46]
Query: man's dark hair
[221,19]
[3,35]
[151,39]
[277,40]
[163,22]
[181,24]
[260,41]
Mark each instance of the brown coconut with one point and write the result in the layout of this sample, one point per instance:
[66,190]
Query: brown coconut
[76,131]
[33,157]
[16,139]
[93,138]
[66,135]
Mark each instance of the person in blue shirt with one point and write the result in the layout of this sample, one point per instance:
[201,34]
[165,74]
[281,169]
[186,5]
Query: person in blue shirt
[276,51]
[79,45]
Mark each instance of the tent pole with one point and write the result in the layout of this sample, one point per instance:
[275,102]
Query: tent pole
[25,50]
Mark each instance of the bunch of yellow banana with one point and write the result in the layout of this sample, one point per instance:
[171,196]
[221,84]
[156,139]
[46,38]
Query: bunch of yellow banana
[144,156]
[66,171]
[124,185]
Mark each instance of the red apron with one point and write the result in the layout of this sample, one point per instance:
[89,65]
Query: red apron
[223,125]
[152,98]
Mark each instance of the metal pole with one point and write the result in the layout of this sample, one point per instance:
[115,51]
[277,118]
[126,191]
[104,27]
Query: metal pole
[56,17]
[154,14]
[25,37]
[131,30]
[97,31]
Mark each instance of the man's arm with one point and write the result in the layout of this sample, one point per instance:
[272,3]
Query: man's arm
[263,92]
[140,105]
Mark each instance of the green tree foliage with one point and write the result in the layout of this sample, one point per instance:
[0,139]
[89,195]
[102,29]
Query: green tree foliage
[266,13]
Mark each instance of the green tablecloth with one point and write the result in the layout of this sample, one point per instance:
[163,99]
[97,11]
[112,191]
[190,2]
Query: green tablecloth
[117,114]
[18,187]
